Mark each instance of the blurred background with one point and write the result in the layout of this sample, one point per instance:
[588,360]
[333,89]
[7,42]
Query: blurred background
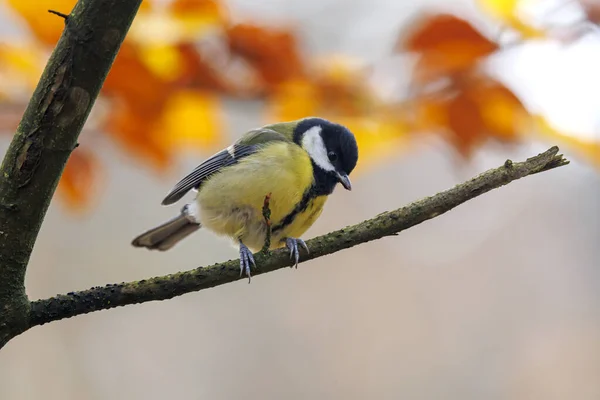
[498,299]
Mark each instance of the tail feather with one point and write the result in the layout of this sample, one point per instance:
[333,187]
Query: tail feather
[168,234]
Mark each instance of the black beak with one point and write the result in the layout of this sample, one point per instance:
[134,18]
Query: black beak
[345,181]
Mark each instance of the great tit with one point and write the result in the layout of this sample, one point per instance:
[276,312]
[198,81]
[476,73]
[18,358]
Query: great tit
[299,163]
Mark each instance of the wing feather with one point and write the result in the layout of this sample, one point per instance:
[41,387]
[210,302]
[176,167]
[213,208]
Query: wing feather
[247,145]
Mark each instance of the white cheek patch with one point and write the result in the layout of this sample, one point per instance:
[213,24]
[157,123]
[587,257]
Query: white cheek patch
[313,143]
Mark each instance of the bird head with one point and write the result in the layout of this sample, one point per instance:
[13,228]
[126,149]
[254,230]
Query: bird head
[331,147]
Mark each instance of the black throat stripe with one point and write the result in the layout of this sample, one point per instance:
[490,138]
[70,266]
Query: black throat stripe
[323,185]
[300,207]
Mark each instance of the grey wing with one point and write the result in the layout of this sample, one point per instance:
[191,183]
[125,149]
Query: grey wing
[248,144]
[194,179]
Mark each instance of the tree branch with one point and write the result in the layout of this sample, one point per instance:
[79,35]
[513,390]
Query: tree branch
[386,224]
[46,136]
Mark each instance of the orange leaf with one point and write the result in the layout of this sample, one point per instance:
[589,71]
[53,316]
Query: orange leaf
[45,26]
[336,87]
[445,45]
[130,79]
[503,114]
[133,129]
[78,181]
[428,113]
[138,98]
[342,87]
[465,123]
[180,20]
[591,9]
[293,100]
[146,6]
[197,10]
[197,73]
[273,53]
[472,111]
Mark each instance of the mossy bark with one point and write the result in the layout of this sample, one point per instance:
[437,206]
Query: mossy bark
[46,137]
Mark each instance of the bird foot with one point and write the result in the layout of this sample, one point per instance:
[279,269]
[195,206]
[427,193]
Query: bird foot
[246,258]
[292,245]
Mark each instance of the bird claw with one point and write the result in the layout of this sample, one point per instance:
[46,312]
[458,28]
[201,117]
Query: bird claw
[292,245]
[246,258]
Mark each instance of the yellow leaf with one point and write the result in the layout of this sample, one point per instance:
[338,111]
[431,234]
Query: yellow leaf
[500,8]
[182,21]
[293,100]
[503,113]
[588,149]
[379,139]
[163,60]
[507,12]
[45,26]
[20,68]
[191,119]
[199,14]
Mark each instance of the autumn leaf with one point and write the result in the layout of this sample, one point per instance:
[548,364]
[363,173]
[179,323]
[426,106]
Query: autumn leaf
[507,12]
[274,54]
[293,99]
[336,86]
[138,97]
[187,120]
[588,149]
[20,69]
[591,8]
[46,27]
[379,138]
[196,14]
[465,123]
[79,181]
[146,6]
[131,79]
[134,132]
[163,93]
[444,44]
[190,119]
[473,111]
[503,114]
[197,73]
[337,89]
[343,87]
[179,21]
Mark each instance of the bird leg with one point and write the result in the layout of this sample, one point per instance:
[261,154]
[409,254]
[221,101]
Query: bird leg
[292,245]
[246,258]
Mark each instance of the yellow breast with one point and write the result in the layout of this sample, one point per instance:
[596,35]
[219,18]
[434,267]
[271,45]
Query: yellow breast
[230,202]
[301,221]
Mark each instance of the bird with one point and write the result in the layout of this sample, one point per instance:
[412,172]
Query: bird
[298,164]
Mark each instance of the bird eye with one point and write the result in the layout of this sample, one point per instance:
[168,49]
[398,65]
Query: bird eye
[332,156]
